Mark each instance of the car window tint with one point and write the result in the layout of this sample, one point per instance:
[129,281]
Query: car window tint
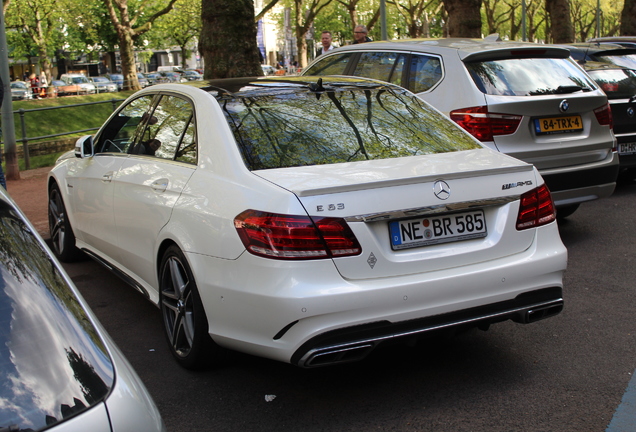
[616,83]
[344,124]
[119,133]
[383,66]
[165,128]
[529,76]
[425,72]
[331,65]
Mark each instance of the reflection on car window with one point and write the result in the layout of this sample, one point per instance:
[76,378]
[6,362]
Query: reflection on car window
[341,125]
[425,72]
[528,76]
[168,124]
[119,133]
[383,66]
[616,83]
[331,65]
[53,363]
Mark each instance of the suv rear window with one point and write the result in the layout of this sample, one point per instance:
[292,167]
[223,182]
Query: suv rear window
[616,83]
[529,76]
[342,124]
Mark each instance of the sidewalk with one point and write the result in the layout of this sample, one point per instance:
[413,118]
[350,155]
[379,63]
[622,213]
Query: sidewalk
[31,196]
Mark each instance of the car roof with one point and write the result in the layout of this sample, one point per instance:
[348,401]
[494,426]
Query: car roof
[467,49]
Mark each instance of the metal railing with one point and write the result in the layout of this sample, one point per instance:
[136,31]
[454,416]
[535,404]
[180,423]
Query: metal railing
[25,140]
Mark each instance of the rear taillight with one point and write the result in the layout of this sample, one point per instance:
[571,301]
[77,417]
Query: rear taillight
[295,237]
[484,125]
[604,116]
[536,209]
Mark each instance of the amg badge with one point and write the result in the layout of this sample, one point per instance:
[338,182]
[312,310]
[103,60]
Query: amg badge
[517,184]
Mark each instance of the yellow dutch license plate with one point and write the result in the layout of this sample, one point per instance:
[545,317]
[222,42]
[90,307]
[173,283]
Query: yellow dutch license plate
[552,125]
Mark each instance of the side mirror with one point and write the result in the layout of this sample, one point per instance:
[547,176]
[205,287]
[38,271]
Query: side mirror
[84,147]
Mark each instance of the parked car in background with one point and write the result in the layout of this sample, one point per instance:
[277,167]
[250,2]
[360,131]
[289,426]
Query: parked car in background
[79,80]
[268,70]
[21,91]
[60,371]
[527,100]
[117,79]
[171,77]
[143,81]
[103,84]
[306,219]
[64,89]
[619,84]
[152,77]
[626,41]
[192,75]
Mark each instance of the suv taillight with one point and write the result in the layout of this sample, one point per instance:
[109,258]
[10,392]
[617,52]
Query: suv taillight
[295,237]
[536,209]
[604,115]
[484,125]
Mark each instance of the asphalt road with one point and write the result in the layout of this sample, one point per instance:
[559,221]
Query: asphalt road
[566,373]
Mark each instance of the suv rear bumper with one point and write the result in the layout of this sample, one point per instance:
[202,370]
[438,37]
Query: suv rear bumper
[578,184]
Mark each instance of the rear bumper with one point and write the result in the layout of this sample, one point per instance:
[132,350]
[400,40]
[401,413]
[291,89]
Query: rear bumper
[354,343]
[297,312]
[577,184]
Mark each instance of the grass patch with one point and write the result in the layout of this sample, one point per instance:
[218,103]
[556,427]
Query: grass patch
[65,118]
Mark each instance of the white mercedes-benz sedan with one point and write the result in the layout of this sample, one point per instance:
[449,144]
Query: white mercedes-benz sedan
[306,219]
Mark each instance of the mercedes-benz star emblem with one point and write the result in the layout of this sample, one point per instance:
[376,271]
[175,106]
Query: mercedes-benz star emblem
[441,189]
[564,105]
[630,112]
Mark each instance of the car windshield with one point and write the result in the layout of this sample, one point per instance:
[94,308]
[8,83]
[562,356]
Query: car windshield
[529,76]
[100,79]
[297,127]
[18,85]
[53,364]
[117,77]
[79,80]
[616,83]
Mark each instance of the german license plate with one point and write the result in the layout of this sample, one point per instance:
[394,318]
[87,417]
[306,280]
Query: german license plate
[432,230]
[626,148]
[553,125]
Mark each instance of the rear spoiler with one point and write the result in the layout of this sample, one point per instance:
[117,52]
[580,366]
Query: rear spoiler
[517,52]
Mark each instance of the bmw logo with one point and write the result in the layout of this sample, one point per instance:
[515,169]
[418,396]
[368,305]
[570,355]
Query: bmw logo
[630,112]
[564,105]
[441,189]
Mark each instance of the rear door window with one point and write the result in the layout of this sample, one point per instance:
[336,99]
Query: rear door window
[383,66]
[529,76]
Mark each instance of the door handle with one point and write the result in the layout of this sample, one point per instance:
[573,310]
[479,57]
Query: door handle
[108,177]
[160,185]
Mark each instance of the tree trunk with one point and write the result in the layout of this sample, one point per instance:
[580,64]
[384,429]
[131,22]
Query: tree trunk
[228,39]
[628,18]
[128,65]
[464,18]
[561,28]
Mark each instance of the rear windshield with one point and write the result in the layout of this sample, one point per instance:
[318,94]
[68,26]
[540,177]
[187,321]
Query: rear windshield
[529,77]
[616,83]
[298,127]
[628,60]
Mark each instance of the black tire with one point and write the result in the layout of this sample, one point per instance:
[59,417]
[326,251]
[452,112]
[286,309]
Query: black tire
[565,211]
[62,237]
[184,319]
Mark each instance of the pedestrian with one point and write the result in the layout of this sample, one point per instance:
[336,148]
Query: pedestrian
[327,45]
[35,84]
[25,77]
[360,35]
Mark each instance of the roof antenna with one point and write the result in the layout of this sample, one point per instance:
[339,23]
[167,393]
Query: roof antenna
[317,87]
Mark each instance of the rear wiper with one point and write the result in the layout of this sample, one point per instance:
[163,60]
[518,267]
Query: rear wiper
[568,89]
